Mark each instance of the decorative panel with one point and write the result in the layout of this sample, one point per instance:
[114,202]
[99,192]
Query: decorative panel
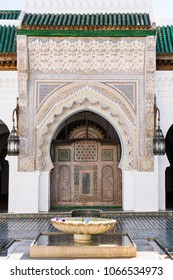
[45,88]
[127,89]
[64,184]
[86,183]
[107,183]
[86,151]
[64,155]
[107,154]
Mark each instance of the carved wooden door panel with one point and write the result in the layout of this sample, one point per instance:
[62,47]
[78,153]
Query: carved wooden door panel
[86,173]
[110,175]
[107,186]
[64,186]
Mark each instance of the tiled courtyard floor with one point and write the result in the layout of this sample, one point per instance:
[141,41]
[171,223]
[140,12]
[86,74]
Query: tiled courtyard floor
[153,235]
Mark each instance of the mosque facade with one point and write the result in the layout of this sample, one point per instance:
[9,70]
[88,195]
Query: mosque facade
[87,77]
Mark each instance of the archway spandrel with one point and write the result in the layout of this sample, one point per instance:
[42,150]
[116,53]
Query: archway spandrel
[95,91]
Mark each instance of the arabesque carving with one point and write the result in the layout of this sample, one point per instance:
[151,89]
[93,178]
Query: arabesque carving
[87,56]
[25,163]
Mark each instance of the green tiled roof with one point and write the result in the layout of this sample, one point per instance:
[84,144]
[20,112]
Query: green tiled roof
[164,44]
[7,39]
[86,21]
[9,14]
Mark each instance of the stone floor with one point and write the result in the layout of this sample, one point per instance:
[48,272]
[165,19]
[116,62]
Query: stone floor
[153,235]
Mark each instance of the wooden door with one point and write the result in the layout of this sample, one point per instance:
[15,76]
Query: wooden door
[86,173]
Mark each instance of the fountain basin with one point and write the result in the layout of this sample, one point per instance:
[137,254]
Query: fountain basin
[62,245]
[83,228]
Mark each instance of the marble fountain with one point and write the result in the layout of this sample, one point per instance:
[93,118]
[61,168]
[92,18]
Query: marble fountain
[82,237]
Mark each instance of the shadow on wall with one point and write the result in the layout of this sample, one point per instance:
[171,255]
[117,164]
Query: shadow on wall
[4,167]
[169,169]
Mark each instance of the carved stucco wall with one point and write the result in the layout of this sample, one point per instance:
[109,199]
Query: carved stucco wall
[87,56]
[110,76]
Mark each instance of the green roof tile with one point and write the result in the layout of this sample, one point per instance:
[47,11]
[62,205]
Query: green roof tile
[33,19]
[119,20]
[65,19]
[100,19]
[123,18]
[59,23]
[9,14]
[129,19]
[51,20]
[86,20]
[40,22]
[38,19]
[164,43]
[74,18]
[7,39]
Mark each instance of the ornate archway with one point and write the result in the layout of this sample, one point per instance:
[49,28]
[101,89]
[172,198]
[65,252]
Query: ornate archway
[96,98]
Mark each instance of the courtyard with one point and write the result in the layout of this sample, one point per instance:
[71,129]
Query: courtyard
[151,232]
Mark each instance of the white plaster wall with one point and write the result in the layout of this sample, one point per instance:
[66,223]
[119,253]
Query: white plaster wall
[44,191]
[128,202]
[23,189]
[164,92]
[140,191]
[146,191]
[86,6]
[8,95]
[23,186]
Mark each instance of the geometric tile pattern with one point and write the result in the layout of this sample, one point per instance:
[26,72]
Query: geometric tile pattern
[4,243]
[159,228]
[86,151]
